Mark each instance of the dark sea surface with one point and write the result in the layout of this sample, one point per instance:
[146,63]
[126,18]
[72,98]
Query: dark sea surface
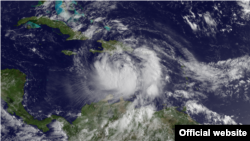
[50,73]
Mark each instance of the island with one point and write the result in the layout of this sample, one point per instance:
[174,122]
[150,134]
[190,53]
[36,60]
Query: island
[112,46]
[32,25]
[69,53]
[40,2]
[101,120]
[63,27]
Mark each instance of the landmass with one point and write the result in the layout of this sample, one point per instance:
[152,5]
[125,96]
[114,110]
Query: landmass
[32,25]
[184,109]
[69,53]
[63,27]
[101,120]
[12,84]
[40,2]
[121,121]
[112,46]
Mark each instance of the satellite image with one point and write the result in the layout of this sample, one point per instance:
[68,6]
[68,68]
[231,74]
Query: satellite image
[122,70]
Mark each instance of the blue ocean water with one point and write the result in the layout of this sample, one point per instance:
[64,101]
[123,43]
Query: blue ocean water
[58,8]
[74,2]
[47,70]
[33,25]
[107,28]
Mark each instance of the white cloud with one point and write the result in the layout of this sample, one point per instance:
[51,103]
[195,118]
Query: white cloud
[141,123]
[211,117]
[220,73]
[24,132]
[116,24]
[99,19]
[209,20]
[116,73]
[122,75]
[151,71]
[192,25]
[245,4]
[90,31]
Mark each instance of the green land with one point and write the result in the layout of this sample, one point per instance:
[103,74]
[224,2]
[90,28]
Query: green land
[64,29]
[32,25]
[101,120]
[12,84]
[40,2]
[69,53]
[111,46]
